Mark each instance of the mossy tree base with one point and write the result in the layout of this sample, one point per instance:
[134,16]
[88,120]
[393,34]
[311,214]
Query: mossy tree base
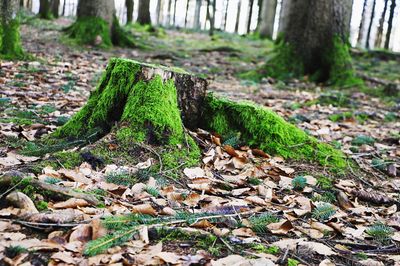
[98,32]
[142,103]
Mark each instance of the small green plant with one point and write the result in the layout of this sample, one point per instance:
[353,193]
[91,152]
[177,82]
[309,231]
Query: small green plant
[13,251]
[361,255]
[328,197]
[153,191]
[299,183]
[259,222]
[254,181]
[121,178]
[362,139]
[51,180]
[41,205]
[324,182]
[233,139]
[292,262]
[260,248]
[380,232]
[323,211]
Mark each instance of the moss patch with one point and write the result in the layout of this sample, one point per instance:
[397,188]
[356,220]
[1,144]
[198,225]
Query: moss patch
[265,129]
[10,41]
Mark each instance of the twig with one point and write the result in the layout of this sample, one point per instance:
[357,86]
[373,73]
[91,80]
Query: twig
[227,244]
[154,152]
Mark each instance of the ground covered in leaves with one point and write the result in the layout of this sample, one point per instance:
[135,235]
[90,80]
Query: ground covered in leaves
[238,206]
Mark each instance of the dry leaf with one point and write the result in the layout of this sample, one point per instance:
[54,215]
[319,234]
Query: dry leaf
[144,209]
[71,203]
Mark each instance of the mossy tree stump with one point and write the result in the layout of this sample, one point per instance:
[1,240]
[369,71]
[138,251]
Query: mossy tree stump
[149,104]
[10,41]
[142,103]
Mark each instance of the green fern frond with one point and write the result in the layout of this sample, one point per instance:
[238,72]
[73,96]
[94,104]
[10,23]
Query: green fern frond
[380,232]
[153,191]
[101,244]
[259,223]
[299,183]
[328,197]
[323,211]
[232,140]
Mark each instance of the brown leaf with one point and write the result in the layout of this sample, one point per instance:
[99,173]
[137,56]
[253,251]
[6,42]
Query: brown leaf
[280,228]
[343,200]
[230,150]
[144,209]
[22,201]
[202,224]
[82,233]
[71,203]
[260,153]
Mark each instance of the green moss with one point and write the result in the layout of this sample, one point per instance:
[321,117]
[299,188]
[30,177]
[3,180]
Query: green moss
[87,29]
[68,159]
[97,31]
[10,41]
[265,129]
[41,205]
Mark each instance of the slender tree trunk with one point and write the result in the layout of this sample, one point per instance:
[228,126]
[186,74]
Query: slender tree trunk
[196,24]
[144,12]
[268,18]
[316,41]
[10,43]
[169,12]
[64,6]
[212,19]
[55,7]
[284,16]
[187,12]
[361,27]
[238,16]
[250,15]
[260,5]
[30,4]
[129,11]
[174,19]
[224,25]
[21,3]
[390,24]
[379,35]
[159,12]
[370,24]
[97,24]
[44,9]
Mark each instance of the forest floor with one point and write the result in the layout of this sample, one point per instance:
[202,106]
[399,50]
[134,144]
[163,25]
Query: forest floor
[245,207]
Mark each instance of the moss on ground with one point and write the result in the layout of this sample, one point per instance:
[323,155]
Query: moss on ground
[10,41]
[96,31]
[265,129]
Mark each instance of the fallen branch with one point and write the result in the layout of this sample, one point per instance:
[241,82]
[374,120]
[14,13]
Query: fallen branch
[11,177]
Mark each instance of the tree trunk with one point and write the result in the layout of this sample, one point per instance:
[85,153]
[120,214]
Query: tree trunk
[390,24]
[259,4]
[159,12]
[268,18]
[10,43]
[186,12]
[169,15]
[379,35]
[211,18]
[370,24]
[315,42]
[64,6]
[144,12]
[361,27]
[284,16]
[129,11]
[96,24]
[55,6]
[174,19]
[250,15]
[238,16]
[196,24]
[224,25]
[44,9]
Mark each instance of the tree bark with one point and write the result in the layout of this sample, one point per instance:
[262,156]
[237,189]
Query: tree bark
[144,12]
[259,4]
[169,14]
[370,24]
[97,24]
[379,35]
[10,42]
[238,16]
[55,6]
[224,24]
[316,40]
[44,9]
[251,3]
[129,11]
[390,24]
[197,9]
[361,27]
[186,12]
[159,12]
[211,18]
[268,18]
[174,19]
[284,16]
